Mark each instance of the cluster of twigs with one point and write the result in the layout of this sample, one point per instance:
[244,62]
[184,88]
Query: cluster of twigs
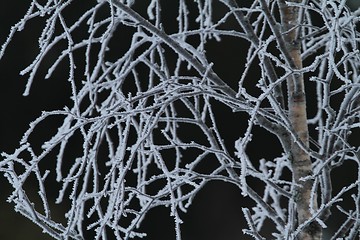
[131,113]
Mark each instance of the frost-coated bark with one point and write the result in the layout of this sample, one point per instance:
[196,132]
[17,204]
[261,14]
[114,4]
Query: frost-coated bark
[300,158]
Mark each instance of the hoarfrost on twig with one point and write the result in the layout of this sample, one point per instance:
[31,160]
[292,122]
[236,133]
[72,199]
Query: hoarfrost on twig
[131,111]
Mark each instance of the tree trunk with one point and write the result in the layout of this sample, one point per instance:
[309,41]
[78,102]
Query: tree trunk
[301,163]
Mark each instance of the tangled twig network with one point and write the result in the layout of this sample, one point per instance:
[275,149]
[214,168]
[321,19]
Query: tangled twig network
[131,108]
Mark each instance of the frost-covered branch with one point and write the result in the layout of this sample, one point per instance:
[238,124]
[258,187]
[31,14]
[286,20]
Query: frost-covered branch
[145,110]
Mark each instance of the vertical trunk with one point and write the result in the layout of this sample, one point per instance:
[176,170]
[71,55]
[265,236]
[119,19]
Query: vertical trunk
[301,163]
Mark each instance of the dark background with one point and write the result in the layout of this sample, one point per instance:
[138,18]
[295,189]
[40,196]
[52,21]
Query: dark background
[216,211]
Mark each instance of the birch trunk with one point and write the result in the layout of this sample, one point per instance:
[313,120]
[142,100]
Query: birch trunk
[301,163]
